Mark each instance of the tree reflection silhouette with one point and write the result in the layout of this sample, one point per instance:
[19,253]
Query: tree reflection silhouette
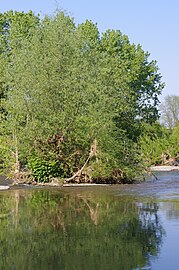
[47,229]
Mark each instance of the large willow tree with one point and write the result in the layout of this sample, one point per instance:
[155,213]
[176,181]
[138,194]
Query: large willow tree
[75,100]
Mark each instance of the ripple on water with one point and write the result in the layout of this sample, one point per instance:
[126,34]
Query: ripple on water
[166,187]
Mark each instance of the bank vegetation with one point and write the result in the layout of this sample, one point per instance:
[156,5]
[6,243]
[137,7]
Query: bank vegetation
[75,104]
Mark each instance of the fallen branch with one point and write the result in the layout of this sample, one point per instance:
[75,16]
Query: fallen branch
[151,173]
[93,152]
[78,173]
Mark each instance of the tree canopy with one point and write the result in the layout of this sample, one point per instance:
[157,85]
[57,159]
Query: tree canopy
[72,99]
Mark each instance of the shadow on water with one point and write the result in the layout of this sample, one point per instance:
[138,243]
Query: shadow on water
[77,229]
[4,181]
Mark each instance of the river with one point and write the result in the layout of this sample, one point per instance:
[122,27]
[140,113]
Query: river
[124,227]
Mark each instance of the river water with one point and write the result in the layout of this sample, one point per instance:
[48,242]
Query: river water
[125,227]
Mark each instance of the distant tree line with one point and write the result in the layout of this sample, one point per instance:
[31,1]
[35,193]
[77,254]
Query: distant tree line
[160,144]
[170,111]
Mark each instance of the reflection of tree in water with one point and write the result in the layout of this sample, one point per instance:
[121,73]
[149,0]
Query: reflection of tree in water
[72,230]
[93,211]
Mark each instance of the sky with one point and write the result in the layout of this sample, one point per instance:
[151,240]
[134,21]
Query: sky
[152,23]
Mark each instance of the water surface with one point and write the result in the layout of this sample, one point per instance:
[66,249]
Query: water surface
[115,227]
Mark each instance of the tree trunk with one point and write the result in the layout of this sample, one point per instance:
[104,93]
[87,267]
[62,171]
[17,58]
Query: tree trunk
[17,163]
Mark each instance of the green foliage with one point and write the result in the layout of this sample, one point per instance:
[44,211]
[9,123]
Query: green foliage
[174,142]
[43,170]
[158,141]
[152,150]
[65,86]
[7,156]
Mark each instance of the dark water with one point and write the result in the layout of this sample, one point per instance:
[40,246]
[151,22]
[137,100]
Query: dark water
[102,228]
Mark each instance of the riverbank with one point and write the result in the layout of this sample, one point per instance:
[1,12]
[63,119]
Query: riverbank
[164,168]
[5,183]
